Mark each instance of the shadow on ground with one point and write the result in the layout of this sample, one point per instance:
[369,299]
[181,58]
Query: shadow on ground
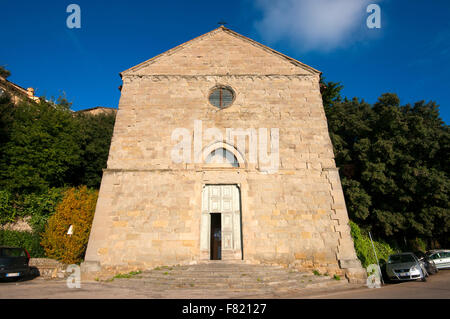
[33,272]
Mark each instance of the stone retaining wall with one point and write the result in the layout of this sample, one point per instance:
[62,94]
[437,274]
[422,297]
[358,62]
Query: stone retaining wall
[22,224]
[49,268]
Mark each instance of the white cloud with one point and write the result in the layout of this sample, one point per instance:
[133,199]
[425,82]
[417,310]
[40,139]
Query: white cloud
[312,24]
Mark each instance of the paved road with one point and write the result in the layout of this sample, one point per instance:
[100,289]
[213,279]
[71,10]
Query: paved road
[437,286]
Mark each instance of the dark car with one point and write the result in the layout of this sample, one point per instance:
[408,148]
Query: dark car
[14,262]
[429,264]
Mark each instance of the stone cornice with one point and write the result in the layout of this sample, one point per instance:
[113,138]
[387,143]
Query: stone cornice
[159,77]
[283,171]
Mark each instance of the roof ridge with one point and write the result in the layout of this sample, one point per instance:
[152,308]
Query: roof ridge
[231,32]
[171,51]
[266,48]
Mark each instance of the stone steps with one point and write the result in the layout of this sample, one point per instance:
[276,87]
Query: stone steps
[272,281]
[224,276]
[228,276]
[244,287]
[169,278]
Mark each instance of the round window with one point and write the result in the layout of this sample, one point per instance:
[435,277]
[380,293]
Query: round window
[221,97]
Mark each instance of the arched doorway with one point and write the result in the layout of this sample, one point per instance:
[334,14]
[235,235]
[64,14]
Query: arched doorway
[220,230]
[220,233]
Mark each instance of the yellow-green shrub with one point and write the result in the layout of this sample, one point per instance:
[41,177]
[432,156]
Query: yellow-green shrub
[77,209]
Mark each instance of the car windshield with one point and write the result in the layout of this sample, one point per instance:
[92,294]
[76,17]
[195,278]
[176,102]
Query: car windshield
[396,259]
[12,252]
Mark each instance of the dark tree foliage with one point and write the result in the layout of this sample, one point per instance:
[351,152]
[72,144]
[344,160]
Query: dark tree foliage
[45,145]
[6,118]
[331,92]
[95,139]
[394,164]
[4,73]
[42,148]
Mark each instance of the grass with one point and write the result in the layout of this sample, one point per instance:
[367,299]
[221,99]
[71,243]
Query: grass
[336,277]
[316,273]
[167,267]
[163,267]
[133,273]
[129,275]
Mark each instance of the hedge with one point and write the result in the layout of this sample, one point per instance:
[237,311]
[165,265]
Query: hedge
[27,240]
[364,249]
[39,206]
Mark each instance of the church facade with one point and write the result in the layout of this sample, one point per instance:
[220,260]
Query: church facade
[221,151]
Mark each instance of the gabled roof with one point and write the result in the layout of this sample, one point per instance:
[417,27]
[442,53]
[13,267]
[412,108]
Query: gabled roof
[98,110]
[213,32]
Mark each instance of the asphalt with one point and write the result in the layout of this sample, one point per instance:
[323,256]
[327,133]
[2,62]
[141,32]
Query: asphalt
[436,287]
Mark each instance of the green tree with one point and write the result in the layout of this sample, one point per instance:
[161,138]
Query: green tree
[4,73]
[95,138]
[6,118]
[42,149]
[331,92]
[394,164]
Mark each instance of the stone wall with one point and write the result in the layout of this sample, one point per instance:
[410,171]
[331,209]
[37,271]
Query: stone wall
[290,103]
[49,268]
[21,224]
[149,207]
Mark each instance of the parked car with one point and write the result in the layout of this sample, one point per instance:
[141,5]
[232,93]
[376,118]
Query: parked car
[429,264]
[440,257]
[14,262]
[405,266]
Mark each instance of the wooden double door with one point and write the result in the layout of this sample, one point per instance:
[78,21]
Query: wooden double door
[220,237]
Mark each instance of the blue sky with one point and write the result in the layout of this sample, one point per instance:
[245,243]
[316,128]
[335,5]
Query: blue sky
[408,55]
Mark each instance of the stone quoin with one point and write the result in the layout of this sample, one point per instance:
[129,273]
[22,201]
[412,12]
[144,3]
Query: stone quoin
[153,211]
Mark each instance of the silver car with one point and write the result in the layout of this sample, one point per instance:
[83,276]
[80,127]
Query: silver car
[405,266]
[440,257]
